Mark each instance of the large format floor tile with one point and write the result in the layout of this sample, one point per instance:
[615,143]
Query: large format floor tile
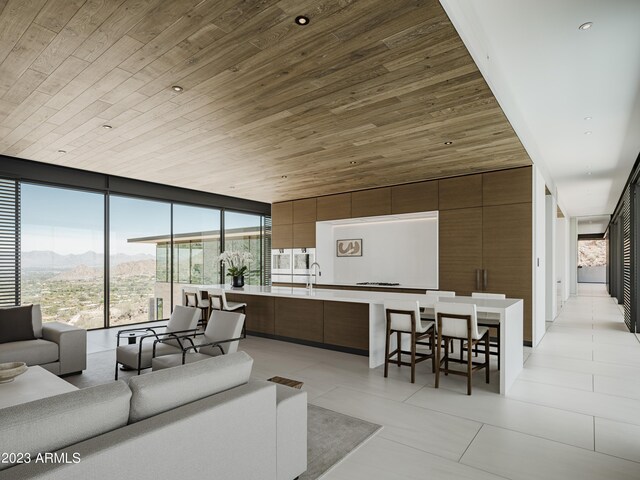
[444,435]
[381,459]
[523,457]
[551,423]
[618,439]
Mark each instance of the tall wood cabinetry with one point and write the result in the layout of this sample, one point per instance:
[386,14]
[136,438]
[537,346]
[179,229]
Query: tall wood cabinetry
[294,224]
[485,231]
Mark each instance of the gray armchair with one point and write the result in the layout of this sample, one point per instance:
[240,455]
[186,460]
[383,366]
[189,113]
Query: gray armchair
[137,356]
[222,336]
[58,347]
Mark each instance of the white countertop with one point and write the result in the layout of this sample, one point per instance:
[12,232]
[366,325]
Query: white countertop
[360,296]
[355,285]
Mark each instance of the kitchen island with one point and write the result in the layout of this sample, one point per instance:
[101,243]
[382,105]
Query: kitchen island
[353,320]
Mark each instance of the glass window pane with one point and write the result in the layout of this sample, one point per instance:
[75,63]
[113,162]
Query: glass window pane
[196,240]
[242,233]
[137,294]
[62,254]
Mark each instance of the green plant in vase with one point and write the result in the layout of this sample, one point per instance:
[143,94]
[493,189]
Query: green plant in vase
[237,264]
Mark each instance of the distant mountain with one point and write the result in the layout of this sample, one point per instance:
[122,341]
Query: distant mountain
[48,260]
[126,269]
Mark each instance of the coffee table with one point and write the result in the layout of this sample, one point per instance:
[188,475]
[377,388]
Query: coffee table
[34,384]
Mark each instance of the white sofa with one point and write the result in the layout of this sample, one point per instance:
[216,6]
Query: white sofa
[202,420]
[58,347]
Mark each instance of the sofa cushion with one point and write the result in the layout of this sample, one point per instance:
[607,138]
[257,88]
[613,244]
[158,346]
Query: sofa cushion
[31,352]
[16,324]
[164,390]
[52,423]
[36,320]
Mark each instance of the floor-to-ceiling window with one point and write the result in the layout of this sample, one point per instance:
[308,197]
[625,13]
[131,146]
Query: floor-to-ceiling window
[243,232]
[62,254]
[139,272]
[196,247]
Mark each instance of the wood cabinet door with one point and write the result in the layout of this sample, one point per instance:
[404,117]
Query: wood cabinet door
[368,203]
[460,246]
[507,254]
[282,213]
[460,192]
[506,187]
[347,324]
[333,207]
[304,211]
[299,318]
[260,312]
[415,197]
[282,236]
[304,235]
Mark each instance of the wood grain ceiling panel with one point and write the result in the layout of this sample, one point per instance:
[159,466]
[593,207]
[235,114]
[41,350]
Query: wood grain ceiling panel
[363,96]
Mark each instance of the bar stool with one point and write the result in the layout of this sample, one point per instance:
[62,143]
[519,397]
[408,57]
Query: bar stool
[491,320]
[218,301]
[403,317]
[460,321]
[428,313]
[191,299]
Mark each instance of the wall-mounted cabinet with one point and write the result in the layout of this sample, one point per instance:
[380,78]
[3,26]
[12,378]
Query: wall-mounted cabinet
[415,197]
[304,211]
[369,203]
[333,207]
[282,236]
[506,187]
[460,192]
[282,213]
[304,235]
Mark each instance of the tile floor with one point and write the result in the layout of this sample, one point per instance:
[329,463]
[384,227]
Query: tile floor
[573,413]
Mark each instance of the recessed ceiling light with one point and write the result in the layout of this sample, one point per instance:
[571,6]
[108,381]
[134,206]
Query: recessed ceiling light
[353,163]
[448,143]
[62,151]
[588,173]
[284,176]
[302,20]
[586,26]
[588,132]
[177,88]
[587,118]
[107,127]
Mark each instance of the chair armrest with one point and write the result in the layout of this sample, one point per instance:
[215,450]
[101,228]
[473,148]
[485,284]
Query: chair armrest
[167,336]
[72,345]
[211,344]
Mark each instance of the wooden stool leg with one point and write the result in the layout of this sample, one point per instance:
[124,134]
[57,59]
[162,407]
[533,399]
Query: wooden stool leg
[399,342]
[469,365]
[437,360]
[446,358]
[499,345]
[386,350]
[413,357]
[432,340]
[487,356]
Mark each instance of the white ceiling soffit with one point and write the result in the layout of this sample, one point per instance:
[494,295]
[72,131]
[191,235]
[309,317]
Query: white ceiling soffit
[548,76]
[595,224]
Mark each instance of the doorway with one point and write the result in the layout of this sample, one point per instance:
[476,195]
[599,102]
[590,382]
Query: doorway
[592,261]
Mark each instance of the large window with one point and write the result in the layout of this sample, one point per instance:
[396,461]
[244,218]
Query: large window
[55,246]
[196,246]
[139,289]
[242,232]
[62,254]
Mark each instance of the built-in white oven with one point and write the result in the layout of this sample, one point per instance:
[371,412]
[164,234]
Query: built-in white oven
[281,265]
[302,260]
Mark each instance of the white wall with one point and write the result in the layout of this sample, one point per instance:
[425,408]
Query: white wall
[539,258]
[402,251]
[551,298]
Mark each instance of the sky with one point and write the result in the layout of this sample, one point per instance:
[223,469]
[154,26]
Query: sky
[71,222]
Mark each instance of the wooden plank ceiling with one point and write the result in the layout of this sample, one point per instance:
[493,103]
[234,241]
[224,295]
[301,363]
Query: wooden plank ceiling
[365,95]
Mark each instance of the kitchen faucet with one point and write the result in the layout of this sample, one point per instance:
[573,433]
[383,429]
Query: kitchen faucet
[315,272]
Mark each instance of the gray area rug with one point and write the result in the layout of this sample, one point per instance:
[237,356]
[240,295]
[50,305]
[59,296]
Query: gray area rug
[331,436]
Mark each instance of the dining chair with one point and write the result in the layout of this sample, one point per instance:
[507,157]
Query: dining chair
[460,321]
[491,320]
[218,301]
[403,317]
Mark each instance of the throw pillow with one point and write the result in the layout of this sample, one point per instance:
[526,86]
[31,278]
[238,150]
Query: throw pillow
[16,324]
